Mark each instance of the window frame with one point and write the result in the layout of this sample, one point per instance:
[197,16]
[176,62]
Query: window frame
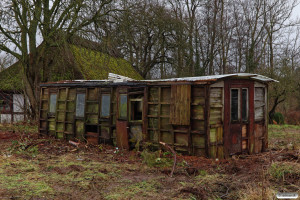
[239,105]
[130,109]
[119,113]
[76,105]
[55,103]
[247,105]
[109,105]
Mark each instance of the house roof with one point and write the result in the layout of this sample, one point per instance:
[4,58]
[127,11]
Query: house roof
[115,79]
[85,63]
[216,77]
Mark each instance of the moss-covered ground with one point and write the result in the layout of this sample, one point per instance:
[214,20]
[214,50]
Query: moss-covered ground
[39,167]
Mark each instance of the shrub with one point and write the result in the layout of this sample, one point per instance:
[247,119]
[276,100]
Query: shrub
[279,118]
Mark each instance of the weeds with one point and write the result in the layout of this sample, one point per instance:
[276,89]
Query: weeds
[280,171]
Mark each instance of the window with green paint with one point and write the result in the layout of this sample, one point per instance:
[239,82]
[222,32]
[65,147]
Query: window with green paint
[80,101]
[105,105]
[123,106]
[53,98]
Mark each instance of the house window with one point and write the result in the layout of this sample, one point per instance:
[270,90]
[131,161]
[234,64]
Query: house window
[80,101]
[234,104]
[5,103]
[244,104]
[105,105]
[136,109]
[53,98]
[239,104]
[123,106]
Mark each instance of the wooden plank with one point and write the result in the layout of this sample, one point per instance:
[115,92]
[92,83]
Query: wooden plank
[180,104]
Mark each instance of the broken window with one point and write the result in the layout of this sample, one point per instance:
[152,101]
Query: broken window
[80,101]
[53,98]
[105,105]
[234,104]
[136,109]
[123,106]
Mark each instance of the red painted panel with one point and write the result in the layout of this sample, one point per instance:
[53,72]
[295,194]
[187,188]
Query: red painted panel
[122,134]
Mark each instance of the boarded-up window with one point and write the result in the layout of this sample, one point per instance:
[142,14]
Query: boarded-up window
[80,101]
[52,103]
[259,103]
[105,105]
[123,106]
[180,104]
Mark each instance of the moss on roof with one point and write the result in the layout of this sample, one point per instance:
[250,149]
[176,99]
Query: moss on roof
[11,78]
[85,64]
[96,65]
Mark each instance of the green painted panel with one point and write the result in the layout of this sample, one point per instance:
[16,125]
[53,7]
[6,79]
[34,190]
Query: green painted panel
[79,129]
[62,94]
[92,107]
[212,135]
[70,106]
[59,135]
[51,125]
[197,112]
[92,119]
[61,116]
[59,126]
[69,128]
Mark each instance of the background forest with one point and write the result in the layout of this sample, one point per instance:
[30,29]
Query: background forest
[164,38]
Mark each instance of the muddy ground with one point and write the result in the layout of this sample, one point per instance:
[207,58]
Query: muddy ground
[40,167]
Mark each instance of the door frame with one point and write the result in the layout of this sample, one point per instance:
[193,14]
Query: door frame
[228,85]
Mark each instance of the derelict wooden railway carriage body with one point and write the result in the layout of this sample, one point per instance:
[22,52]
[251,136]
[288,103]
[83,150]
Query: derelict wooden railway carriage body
[213,116]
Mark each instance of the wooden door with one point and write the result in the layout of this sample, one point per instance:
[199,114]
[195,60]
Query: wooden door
[122,134]
[238,116]
[122,119]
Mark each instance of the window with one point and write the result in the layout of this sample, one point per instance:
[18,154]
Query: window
[136,109]
[244,104]
[53,98]
[239,104]
[123,106]
[5,103]
[105,105]
[234,104]
[80,101]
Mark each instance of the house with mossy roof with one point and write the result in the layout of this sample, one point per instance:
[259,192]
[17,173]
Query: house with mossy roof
[73,60]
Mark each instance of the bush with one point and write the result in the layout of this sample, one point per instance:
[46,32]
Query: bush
[279,118]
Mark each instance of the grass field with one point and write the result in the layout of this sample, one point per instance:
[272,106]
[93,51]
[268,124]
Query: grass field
[34,167]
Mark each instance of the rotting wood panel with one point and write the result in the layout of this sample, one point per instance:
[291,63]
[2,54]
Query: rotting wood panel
[70,113]
[44,106]
[215,122]
[180,104]
[198,121]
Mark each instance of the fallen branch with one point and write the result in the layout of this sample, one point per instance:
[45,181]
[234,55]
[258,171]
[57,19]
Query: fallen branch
[174,153]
